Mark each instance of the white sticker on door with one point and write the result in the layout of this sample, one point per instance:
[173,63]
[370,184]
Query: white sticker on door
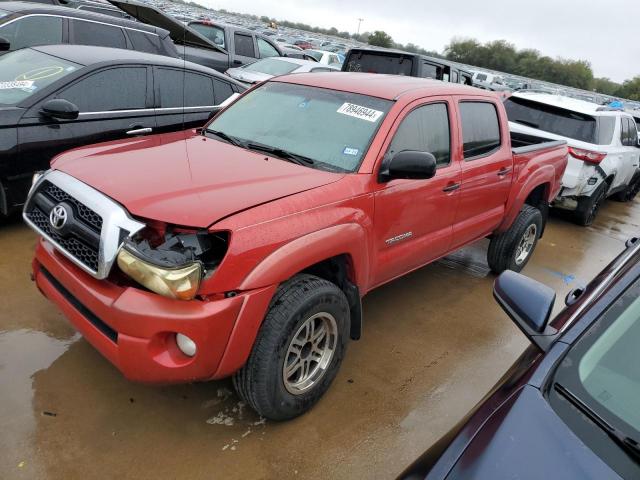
[358,111]
[16,84]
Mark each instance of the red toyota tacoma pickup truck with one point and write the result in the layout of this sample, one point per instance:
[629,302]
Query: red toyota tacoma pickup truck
[244,249]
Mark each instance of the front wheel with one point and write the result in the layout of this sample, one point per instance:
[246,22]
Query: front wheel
[512,249]
[298,350]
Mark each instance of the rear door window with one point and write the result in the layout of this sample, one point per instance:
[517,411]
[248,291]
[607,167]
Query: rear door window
[549,118]
[33,31]
[633,135]
[624,131]
[430,70]
[244,45]
[144,42]
[198,89]
[97,34]
[372,62]
[425,129]
[109,90]
[480,129]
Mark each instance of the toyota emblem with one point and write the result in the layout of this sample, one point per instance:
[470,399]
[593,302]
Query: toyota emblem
[58,217]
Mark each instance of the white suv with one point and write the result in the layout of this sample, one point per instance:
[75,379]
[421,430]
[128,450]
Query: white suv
[604,152]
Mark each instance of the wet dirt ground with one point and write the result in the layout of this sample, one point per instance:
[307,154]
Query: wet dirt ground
[434,343]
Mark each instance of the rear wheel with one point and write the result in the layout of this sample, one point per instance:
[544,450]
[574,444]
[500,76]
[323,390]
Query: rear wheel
[629,193]
[588,207]
[512,249]
[298,350]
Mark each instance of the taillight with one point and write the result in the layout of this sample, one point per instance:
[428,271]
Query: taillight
[587,155]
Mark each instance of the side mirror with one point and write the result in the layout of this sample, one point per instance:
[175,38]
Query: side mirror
[409,164]
[528,303]
[60,109]
[5,44]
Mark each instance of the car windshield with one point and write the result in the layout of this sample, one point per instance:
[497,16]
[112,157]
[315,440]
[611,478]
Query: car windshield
[272,66]
[602,368]
[314,54]
[560,121]
[24,72]
[332,128]
[211,32]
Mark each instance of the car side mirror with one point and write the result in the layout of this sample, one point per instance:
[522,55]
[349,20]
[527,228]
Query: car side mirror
[409,164]
[5,45]
[528,303]
[60,109]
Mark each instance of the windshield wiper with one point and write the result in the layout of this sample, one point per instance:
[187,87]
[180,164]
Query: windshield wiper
[629,444]
[281,153]
[525,122]
[226,138]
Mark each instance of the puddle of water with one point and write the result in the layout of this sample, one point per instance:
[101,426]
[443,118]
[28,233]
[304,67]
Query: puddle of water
[22,354]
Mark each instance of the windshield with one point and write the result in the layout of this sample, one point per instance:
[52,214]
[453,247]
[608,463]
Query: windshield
[271,66]
[314,54]
[371,62]
[26,71]
[560,121]
[332,128]
[213,33]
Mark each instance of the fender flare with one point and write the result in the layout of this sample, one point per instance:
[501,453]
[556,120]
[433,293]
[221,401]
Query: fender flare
[293,257]
[542,176]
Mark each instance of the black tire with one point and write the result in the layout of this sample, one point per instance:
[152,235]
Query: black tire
[629,193]
[260,383]
[588,207]
[503,248]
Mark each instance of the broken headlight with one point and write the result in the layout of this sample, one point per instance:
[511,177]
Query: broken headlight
[172,264]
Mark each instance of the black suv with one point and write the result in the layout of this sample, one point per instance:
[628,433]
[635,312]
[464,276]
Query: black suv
[24,24]
[57,97]
[396,62]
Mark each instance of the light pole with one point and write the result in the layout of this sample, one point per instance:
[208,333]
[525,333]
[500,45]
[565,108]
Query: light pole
[359,22]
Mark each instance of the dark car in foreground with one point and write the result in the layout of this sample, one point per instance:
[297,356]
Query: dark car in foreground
[28,24]
[57,97]
[569,408]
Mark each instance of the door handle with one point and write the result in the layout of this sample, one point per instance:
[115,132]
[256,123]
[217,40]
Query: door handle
[140,131]
[503,171]
[451,187]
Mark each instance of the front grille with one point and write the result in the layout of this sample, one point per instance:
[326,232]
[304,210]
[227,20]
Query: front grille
[81,237]
[90,217]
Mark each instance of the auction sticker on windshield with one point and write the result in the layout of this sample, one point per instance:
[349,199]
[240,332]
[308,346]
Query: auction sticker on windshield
[358,111]
[16,84]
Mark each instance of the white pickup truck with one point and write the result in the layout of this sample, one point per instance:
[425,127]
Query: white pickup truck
[604,153]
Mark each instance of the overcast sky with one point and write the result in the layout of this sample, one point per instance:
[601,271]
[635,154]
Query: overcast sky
[604,32]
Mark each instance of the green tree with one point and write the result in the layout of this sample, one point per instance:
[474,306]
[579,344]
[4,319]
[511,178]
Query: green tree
[380,39]
[606,86]
[630,89]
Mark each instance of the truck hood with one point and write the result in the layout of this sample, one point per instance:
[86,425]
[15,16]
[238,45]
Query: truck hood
[186,179]
[179,32]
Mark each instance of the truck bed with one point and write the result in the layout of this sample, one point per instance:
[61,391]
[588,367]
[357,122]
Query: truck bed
[523,143]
